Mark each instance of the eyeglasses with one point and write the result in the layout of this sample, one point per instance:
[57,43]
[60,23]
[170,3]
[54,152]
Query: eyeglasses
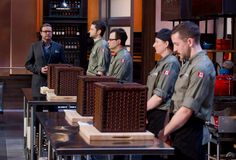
[110,39]
[47,31]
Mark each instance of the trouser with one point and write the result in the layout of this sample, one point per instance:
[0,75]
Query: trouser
[187,141]
[156,119]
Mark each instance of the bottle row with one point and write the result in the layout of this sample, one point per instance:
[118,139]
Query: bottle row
[72,57]
[65,30]
[65,12]
[69,45]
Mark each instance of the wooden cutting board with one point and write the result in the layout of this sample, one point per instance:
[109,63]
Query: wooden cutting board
[54,98]
[89,133]
[73,117]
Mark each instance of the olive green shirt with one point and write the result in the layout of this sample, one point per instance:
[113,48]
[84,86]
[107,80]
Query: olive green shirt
[194,87]
[99,58]
[121,66]
[161,79]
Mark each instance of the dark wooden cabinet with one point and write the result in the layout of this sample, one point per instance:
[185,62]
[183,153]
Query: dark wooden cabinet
[174,9]
[69,21]
[229,7]
[195,9]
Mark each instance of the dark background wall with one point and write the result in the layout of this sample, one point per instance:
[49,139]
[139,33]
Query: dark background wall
[18,31]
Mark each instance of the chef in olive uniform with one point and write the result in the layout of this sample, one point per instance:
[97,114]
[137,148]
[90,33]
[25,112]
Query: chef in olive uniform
[161,81]
[193,95]
[99,58]
[121,65]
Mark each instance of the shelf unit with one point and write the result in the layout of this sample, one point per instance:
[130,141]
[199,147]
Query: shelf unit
[215,54]
[216,50]
[212,53]
[69,21]
[65,8]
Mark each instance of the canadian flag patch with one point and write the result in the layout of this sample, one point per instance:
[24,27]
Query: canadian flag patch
[200,74]
[102,50]
[166,72]
[122,60]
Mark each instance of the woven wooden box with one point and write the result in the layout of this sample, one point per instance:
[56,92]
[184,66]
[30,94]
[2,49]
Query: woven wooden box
[86,93]
[51,81]
[120,107]
[66,80]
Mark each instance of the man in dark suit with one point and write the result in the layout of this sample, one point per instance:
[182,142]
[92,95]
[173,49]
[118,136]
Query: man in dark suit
[41,54]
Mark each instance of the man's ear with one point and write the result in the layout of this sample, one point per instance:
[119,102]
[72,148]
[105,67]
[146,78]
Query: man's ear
[119,41]
[167,44]
[190,42]
[99,32]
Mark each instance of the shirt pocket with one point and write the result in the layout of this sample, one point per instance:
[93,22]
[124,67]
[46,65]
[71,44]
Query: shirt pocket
[93,60]
[182,82]
[152,80]
[54,56]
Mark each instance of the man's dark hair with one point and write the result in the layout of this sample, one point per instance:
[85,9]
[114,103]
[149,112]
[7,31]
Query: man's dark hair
[120,34]
[100,25]
[188,30]
[45,25]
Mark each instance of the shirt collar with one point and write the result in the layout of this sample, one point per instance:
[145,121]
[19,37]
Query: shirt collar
[115,53]
[46,44]
[97,40]
[164,58]
[198,55]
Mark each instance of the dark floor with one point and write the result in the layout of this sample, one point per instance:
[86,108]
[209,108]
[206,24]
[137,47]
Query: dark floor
[11,135]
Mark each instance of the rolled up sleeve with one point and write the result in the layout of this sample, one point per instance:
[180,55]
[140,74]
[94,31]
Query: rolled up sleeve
[197,89]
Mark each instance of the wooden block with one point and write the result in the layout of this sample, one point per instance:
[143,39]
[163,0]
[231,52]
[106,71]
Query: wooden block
[73,117]
[54,98]
[45,90]
[89,133]
[70,122]
[139,143]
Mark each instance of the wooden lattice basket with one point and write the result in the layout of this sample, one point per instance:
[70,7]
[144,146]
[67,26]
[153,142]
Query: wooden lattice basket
[86,93]
[67,80]
[120,107]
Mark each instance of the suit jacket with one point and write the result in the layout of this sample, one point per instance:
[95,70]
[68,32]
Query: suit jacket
[36,60]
